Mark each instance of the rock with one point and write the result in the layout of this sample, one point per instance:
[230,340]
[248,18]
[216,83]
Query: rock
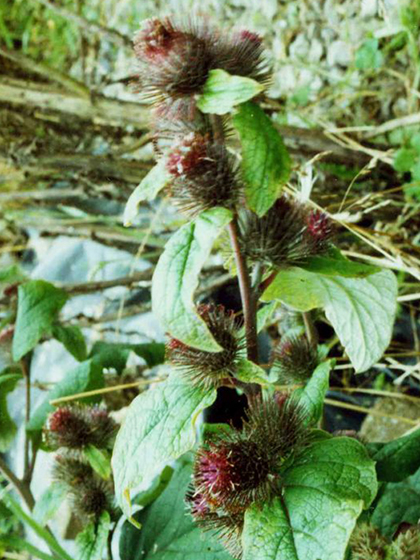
[383,429]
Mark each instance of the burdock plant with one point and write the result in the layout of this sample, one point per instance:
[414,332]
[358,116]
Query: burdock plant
[278,487]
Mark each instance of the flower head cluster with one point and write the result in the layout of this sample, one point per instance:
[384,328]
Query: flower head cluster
[204,174]
[209,369]
[367,543]
[287,234]
[175,57]
[294,359]
[237,468]
[89,494]
[76,426]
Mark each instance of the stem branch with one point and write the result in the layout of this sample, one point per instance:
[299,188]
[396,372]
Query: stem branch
[21,487]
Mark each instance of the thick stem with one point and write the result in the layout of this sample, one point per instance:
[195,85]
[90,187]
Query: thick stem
[247,296]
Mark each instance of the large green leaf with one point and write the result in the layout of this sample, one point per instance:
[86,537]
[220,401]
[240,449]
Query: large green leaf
[157,178]
[399,503]
[72,339]
[7,426]
[361,310]
[334,263]
[398,459]
[222,92]
[325,491]
[91,542]
[159,427]
[168,531]
[311,397]
[38,305]
[265,161]
[85,377]
[115,354]
[176,278]
[157,486]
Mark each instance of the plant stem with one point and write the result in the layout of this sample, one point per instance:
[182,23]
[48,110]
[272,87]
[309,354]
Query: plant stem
[310,328]
[26,370]
[265,283]
[247,296]
[21,487]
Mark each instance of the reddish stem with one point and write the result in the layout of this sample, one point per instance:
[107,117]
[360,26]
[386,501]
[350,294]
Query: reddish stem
[247,296]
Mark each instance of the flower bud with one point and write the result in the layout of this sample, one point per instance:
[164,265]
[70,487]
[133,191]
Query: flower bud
[236,468]
[209,369]
[89,494]
[407,545]
[204,174]
[294,360]
[175,57]
[242,54]
[320,229]
[367,543]
[228,528]
[286,235]
[76,426]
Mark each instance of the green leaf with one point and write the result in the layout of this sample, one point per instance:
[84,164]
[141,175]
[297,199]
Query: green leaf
[38,305]
[11,274]
[324,492]
[361,310]
[157,486]
[168,531]
[7,426]
[336,264]
[248,372]
[412,191]
[265,315]
[115,354]
[72,339]
[398,459]
[369,57]
[91,542]
[159,427]
[85,377]
[99,460]
[266,163]
[157,178]
[29,521]
[404,159]
[222,92]
[16,543]
[399,503]
[311,397]
[49,502]
[176,278]
[415,142]
[415,170]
